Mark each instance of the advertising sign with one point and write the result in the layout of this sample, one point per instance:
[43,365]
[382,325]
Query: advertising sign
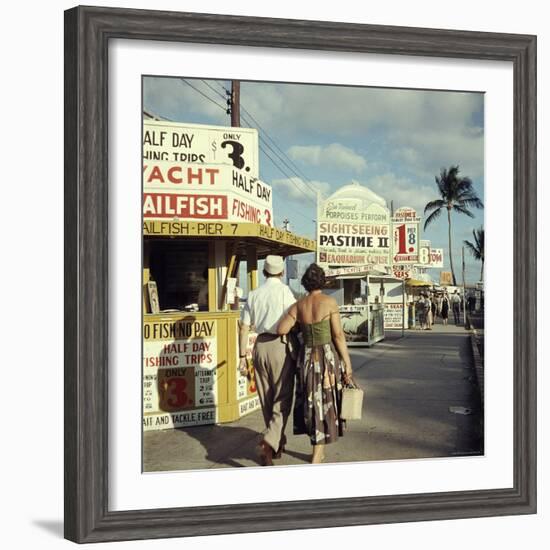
[356,270]
[445,278]
[393,316]
[207,192]
[193,228]
[350,235]
[178,142]
[355,323]
[406,233]
[402,271]
[246,385]
[197,172]
[179,372]
[436,257]
[408,271]
[424,252]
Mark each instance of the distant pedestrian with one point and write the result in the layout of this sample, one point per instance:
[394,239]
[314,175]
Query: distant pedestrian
[429,314]
[471,303]
[422,308]
[273,364]
[434,308]
[455,302]
[445,308]
[438,303]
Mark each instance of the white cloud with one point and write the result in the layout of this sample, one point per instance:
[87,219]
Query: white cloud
[301,193]
[351,110]
[169,97]
[402,191]
[424,153]
[425,130]
[335,154]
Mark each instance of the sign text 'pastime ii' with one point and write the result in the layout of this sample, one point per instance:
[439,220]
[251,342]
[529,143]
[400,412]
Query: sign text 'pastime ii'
[353,235]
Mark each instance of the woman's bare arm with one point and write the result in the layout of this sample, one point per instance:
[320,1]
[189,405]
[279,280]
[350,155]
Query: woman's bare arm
[288,321]
[339,340]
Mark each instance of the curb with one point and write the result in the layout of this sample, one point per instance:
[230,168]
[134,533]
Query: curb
[478,362]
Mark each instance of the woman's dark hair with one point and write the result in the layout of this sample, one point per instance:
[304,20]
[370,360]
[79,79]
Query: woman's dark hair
[313,278]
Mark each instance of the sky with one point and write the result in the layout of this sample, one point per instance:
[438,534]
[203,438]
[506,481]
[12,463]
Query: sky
[315,137]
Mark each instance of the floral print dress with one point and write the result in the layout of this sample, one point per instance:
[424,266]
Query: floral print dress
[318,386]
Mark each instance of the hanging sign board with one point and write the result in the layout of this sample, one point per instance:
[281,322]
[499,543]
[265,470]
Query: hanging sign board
[424,252]
[208,192]
[408,271]
[349,234]
[356,270]
[393,316]
[179,373]
[198,172]
[445,278]
[436,257]
[178,142]
[405,233]
[247,393]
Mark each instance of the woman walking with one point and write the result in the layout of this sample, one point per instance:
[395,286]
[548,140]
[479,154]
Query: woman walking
[429,316]
[323,364]
[445,308]
[422,309]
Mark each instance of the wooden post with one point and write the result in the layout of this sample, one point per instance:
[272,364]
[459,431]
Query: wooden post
[212,278]
[235,103]
[252,267]
[404,303]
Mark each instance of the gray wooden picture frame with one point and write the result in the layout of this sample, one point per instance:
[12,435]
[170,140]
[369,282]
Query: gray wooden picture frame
[88,31]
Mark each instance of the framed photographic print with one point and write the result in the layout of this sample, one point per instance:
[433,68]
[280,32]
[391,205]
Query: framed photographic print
[261,212]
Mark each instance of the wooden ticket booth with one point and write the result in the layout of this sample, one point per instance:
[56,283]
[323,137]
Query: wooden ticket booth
[191,308]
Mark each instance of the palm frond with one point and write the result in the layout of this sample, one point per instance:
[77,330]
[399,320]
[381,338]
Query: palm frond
[462,210]
[433,216]
[473,250]
[471,200]
[479,237]
[464,184]
[438,203]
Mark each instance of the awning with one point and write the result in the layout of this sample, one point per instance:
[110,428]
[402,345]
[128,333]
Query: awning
[268,240]
[417,282]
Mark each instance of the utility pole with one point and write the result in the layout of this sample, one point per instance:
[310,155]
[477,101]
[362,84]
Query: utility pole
[286,223]
[463,287]
[235,103]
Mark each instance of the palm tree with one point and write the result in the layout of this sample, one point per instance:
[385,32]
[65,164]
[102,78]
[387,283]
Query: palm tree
[477,248]
[457,194]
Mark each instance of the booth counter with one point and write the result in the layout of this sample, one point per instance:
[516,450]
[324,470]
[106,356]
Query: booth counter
[191,308]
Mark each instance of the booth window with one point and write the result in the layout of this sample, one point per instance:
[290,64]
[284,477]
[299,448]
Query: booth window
[352,290]
[180,270]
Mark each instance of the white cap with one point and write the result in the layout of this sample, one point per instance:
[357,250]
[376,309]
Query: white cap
[274,264]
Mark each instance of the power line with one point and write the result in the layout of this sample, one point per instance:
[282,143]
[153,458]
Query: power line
[183,80]
[285,174]
[224,97]
[289,177]
[296,170]
[158,117]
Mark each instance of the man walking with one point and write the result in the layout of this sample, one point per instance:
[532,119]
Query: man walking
[455,300]
[273,366]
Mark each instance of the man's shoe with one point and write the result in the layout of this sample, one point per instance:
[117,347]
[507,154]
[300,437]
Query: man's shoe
[265,452]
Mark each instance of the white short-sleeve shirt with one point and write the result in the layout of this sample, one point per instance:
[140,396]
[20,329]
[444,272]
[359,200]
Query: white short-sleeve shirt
[266,305]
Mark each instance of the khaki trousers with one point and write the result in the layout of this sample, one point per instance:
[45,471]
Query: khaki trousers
[274,370]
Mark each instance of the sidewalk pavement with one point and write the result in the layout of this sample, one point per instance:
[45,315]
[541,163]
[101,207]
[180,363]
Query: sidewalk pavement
[410,384]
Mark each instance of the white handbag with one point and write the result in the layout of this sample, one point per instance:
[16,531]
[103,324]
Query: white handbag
[352,402]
